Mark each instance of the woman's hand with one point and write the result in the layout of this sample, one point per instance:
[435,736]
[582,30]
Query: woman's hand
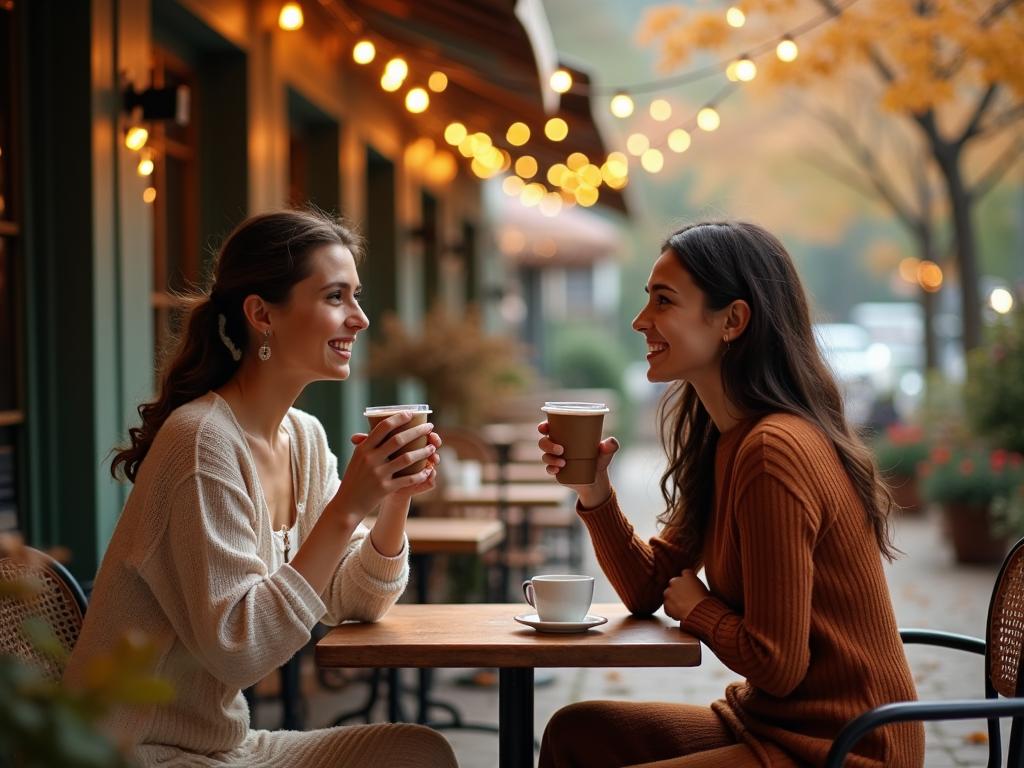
[369,477]
[433,460]
[591,496]
[683,594]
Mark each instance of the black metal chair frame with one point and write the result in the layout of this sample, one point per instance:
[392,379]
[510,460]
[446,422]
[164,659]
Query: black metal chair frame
[991,708]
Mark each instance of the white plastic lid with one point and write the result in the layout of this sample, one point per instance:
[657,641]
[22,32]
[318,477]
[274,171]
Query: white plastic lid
[575,409]
[389,410]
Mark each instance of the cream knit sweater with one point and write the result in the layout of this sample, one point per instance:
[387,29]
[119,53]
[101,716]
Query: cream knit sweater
[188,566]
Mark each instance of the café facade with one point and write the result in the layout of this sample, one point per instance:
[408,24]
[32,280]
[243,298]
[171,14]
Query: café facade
[243,110]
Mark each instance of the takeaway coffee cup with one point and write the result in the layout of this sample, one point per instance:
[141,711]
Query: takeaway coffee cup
[577,428]
[560,597]
[376,414]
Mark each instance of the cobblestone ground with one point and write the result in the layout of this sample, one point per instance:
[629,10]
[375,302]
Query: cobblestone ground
[928,590]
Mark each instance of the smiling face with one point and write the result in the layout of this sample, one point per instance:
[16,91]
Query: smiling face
[312,335]
[684,338]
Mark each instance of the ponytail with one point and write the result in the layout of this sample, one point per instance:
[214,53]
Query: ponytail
[266,256]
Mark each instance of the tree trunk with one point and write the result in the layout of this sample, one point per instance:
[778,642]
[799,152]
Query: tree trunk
[926,252]
[948,157]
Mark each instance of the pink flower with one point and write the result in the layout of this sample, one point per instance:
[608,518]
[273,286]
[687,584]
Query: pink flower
[941,455]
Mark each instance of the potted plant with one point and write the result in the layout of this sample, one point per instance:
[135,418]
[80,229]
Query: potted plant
[994,391]
[462,369]
[966,481]
[898,450]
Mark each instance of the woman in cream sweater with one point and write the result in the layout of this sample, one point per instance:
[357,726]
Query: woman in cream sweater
[238,536]
[771,492]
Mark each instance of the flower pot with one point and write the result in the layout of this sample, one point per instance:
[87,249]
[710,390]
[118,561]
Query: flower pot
[972,539]
[905,493]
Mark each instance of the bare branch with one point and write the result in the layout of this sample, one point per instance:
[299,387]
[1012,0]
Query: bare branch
[998,169]
[996,11]
[979,112]
[1003,120]
[875,173]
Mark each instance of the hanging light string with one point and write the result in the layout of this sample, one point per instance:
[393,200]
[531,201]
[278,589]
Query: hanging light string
[702,73]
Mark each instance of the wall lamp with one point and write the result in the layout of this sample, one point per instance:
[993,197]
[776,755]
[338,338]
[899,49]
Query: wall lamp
[160,103]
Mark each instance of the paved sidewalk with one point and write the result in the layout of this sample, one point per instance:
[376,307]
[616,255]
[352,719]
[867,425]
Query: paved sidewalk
[928,590]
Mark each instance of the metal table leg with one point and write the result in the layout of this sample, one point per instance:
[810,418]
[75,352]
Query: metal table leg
[515,717]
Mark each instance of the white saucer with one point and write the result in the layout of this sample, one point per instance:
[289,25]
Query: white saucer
[561,627]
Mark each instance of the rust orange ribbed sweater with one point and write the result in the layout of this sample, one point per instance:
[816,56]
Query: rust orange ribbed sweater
[799,603]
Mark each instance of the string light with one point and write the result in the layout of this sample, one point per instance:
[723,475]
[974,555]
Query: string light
[637,144]
[149,194]
[929,276]
[551,204]
[786,50]
[560,81]
[437,82]
[586,196]
[526,167]
[679,140]
[389,83]
[661,110]
[746,70]
[532,194]
[556,129]
[512,185]
[146,163]
[136,137]
[290,17]
[735,17]
[622,105]
[364,52]
[576,160]
[417,100]
[652,160]
[556,173]
[455,133]
[518,134]
[708,119]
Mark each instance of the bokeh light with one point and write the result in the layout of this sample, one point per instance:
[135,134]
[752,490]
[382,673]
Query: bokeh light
[735,17]
[289,19]
[437,81]
[708,119]
[417,100]
[929,276]
[1001,300]
[364,52]
[679,140]
[622,105]
[556,129]
[526,167]
[518,134]
[786,50]
[455,133]
[661,110]
[560,81]
[652,160]
[637,144]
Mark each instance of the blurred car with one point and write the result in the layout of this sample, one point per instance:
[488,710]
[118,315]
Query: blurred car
[862,367]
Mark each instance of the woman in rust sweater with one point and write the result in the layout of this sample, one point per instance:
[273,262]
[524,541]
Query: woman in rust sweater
[770,491]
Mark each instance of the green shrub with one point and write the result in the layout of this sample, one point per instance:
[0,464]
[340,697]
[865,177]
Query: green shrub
[994,394]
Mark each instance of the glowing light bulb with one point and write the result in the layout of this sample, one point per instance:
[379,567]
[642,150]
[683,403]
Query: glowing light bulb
[1001,300]
[397,69]
[437,82]
[576,160]
[556,129]
[518,134]
[455,133]
[637,144]
[146,163]
[526,167]
[786,50]
[679,140]
[136,137]
[735,17]
[290,17]
[746,70]
[364,52]
[389,83]
[661,110]
[417,100]
[149,194]
[622,105]
[708,119]
[561,81]
[652,160]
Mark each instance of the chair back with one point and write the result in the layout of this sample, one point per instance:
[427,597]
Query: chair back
[53,596]
[1005,641]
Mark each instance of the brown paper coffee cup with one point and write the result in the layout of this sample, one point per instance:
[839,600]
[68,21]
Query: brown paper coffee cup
[376,414]
[577,428]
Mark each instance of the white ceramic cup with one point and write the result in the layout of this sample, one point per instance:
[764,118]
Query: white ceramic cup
[560,597]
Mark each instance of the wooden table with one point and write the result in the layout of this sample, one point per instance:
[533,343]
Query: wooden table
[488,636]
[518,472]
[549,494]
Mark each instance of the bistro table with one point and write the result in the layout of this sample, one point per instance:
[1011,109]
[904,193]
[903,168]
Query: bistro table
[487,635]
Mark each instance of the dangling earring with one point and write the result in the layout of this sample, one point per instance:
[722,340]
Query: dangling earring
[724,338]
[265,349]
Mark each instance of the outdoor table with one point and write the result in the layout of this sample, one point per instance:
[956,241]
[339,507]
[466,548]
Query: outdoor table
[518,472]
[487,635]
[549,494]
[429,536]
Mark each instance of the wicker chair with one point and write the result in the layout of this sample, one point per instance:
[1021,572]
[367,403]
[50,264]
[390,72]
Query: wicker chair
[60,602]
[1003,650]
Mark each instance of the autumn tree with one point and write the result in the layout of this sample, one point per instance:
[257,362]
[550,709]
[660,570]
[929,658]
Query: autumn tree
[950,67]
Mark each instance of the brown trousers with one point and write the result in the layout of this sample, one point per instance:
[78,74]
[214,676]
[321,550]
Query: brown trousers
[617,734]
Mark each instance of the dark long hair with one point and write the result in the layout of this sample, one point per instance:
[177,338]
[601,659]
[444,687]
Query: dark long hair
[773,367]
[266,256]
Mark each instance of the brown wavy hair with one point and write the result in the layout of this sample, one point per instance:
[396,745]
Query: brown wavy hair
[773,367]
[266,255]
